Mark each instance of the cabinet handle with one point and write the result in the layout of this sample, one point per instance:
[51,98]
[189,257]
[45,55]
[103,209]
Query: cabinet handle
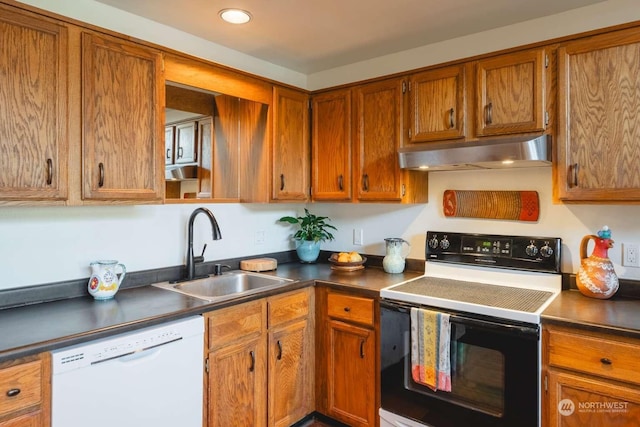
[452,123]
[606,361]
[49,171]
[365,182]
[279,356]
[489,113]
[281,181]
[180,151]
[340,183]
[168,151]
[361,349]
[101,173]
[13,392]
[347,309]
[253,361]
[572,176]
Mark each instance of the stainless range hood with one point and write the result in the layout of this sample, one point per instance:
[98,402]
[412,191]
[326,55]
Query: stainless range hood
[517,152]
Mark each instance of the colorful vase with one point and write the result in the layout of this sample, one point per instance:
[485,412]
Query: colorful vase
[596,276]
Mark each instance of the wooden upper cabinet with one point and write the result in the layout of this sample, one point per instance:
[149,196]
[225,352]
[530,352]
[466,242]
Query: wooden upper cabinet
[598,128]
[378,123]
[331,145]
[290,178]
[33,107]
[437,105]
[510,93]
[122,127]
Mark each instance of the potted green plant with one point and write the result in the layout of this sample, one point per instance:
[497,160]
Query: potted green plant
[313,231]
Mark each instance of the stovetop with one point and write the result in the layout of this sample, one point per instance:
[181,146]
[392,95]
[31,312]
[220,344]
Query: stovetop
[503,297]
[507,277]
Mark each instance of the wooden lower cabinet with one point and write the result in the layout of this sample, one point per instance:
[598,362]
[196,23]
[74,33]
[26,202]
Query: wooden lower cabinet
[590,379]
[351,380]
[260,362]
[347,383]
[237,374]
[25,392]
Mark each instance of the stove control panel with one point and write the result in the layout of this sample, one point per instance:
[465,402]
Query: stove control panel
[514,252]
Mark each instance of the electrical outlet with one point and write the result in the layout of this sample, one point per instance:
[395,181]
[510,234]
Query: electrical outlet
[259,237]
[358,236]
[630,257]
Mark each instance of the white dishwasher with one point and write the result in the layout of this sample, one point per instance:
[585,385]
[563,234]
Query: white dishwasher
[148,377]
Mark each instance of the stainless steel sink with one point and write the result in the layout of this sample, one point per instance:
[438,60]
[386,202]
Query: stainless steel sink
[228,285]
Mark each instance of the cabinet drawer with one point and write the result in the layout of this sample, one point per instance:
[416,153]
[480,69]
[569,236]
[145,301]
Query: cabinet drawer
[594,354]
[286,307]
[236,322]
[351,308]
[27,378]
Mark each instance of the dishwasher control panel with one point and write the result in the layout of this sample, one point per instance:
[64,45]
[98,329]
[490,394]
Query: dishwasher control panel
[126,344]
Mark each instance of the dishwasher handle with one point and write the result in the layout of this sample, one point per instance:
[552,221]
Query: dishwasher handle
[136,354]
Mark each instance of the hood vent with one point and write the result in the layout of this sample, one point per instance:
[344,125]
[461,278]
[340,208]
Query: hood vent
[502,154]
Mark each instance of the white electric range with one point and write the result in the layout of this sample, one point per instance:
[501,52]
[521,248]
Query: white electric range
[494,289]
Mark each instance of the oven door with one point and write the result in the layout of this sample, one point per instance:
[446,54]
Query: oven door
[494,372]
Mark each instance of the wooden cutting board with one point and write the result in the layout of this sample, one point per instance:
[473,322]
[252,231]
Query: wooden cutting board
[514,205]
[259,264]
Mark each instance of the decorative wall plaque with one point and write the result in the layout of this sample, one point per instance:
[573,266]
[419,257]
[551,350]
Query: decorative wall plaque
[512,205]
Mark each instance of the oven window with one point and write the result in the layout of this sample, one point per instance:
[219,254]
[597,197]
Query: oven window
[477,375]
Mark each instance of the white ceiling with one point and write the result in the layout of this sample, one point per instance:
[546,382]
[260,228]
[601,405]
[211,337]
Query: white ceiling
[310,36]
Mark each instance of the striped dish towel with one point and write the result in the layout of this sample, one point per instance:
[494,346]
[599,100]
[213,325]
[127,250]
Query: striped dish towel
[430,353]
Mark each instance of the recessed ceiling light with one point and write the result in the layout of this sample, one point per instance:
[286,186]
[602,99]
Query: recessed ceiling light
[507,162]
[235,16]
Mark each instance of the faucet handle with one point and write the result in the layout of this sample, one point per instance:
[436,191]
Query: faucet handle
[200,258]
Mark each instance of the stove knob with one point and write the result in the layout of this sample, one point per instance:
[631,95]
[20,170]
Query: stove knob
[532,249]
[433,243]
[546,251]
[444,243]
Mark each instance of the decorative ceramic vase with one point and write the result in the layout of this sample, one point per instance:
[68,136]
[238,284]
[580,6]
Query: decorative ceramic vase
[393,262]
[104,281]
[308,250]
[596,277]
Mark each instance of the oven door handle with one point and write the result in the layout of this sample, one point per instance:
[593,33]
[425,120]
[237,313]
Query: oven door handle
[511,327]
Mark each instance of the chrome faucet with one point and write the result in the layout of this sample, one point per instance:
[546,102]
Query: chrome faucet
[191,259]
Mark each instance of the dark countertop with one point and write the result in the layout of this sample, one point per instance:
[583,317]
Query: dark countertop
[47,326]
[620,316]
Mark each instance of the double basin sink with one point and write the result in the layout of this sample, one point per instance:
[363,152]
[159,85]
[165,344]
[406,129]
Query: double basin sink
[228,285]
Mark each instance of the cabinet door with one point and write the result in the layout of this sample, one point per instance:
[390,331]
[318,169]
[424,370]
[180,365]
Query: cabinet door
[352,372]
[290,179]
[33,107]
[576,401]
[331,145]
[598,130]
[123,100]
[289,376]
[237,376]
[169,141]
[510,93]
[437,105]
[378,137]
[186,142]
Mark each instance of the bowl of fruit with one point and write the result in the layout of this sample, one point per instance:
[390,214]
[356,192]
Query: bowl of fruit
[347,261]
